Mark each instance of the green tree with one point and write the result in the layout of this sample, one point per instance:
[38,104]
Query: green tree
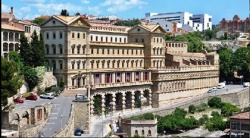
[129,23]
[30,77]
[216,123]
[10,80]
[25,51]
[215,102]
[77,13]
[225,36]
[201,107]
[209,34]
[39,20]
[37,48]
[226,64]
[191,108]
[228,109]
[64,12]
[203,119]
[97,104]
[241,61]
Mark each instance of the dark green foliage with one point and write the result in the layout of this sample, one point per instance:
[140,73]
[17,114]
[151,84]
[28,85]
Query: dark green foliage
[194,41]
[215,113]
[64,12]
[77,13]
[241,60]
[32,54]
[138,136]
[30,77]
[215,102]
[61,83]
[130,23]
[201,107]
[228,109]
[191,108]
[146,116]
[10,80]
[247,108]
[203,119]
[97,104]
[216,123]
[226,63]
[39,20]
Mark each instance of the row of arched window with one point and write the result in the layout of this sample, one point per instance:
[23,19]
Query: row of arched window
[116,51]
[175,45]
[158,51]
[116,64]
[143,132]
[108,39]
[54,49]
[10,36]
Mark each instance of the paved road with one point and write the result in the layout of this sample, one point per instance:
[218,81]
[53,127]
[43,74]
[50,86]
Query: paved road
[32,103]
[99,124]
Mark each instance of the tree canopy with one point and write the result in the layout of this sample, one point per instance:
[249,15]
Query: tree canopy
[64,12]
[10,80]
[39,20]
[129,23]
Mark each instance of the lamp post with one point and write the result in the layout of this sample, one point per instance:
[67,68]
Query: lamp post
[241,77]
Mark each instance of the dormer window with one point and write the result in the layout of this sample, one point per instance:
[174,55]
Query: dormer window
[54,22]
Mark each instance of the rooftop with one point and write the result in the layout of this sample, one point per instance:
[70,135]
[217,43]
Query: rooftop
[242,115]
[9,27]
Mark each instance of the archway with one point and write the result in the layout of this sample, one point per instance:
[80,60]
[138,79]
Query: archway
[137,99]
[26,115]
[146,95]
[118,101]
[108,102]
[128,100]
[97,104]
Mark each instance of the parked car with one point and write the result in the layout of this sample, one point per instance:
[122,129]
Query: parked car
[47,96]
[31,97]
[18,100]
[221,85]
[81,97]
[78,132]
[246,84]
[212,90]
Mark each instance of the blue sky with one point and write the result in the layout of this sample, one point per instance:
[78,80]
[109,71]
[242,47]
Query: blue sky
[29,9]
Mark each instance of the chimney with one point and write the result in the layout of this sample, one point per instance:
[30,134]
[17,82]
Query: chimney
[11,10]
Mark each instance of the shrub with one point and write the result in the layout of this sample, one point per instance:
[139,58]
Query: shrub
[191,108]
[247,108]
[215,102]
[203,119]
[216,123]
[215,113]
[228,109]
[201,107]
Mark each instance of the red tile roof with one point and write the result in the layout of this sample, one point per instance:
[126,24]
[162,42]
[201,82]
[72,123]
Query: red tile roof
[243,115]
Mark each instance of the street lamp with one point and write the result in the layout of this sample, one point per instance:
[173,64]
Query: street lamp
[241,77]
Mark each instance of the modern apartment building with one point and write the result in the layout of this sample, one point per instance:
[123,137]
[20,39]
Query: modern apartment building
[235,25]
[198,22]
[116,63]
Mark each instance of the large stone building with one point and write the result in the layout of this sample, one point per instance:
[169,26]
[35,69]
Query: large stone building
[240,125]
[121,65]
[234,25]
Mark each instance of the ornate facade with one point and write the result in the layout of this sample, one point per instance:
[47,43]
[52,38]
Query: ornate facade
[116,63]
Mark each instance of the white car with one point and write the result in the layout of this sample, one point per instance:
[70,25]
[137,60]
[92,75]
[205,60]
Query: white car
[212,90]
[47,96]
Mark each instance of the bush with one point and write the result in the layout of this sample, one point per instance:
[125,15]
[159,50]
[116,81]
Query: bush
[203,119]
[228,109]
[215,113]
[201,107]
[215,102]
[216,123]
[247,108]
[191,108]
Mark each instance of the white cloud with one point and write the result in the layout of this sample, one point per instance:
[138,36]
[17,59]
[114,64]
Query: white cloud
[85,1]
[33,1]
[55,8]
[115,6]
[5,8]
[95,10]
[25,9]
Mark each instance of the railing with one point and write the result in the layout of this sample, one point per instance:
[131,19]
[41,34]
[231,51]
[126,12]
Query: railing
[94,86]
[194,68]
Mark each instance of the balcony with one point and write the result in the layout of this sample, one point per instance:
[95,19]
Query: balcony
[122,84]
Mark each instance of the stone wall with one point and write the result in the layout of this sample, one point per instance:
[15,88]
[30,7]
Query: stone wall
[240,99]
[81,115]
[68,130]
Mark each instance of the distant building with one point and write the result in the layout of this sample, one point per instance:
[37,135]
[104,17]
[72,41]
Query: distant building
[240,125]
[234,25]
[168,26]
[198,22]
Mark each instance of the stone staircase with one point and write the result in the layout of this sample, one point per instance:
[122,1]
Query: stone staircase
[73,92]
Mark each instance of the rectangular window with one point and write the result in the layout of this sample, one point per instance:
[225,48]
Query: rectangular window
[78,65]
[54,35]
[137,76]
[54,50]
[145,76]
[83,65]
[113,51]
[73,35]
[78,50]
[118,77]
[78,35]
[73,66]
[108,51]
[102,51]
[92,51]
[118,51]
[128,77]
[83,35]
[61,50]
[97,78]
[47,34]
[97,51]
[73,82]
[61,65]
[61,35]
[108,78]
[91,38]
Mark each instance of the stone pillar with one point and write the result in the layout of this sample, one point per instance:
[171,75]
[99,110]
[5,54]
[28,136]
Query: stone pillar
[103,104]
[92,105]
[102,78]
[133,100]
[113,78]
[14,38]
[123,101]
[123,76]
[113,102]
[132,76]
[150,98]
